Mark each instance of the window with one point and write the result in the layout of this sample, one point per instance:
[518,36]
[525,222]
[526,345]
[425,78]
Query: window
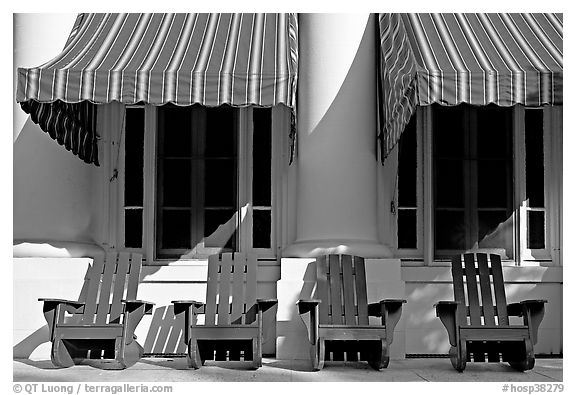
[479,178]
[195,181]
[472,165]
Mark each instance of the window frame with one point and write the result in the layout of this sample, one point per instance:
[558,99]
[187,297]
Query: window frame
[113,176]
[552,144]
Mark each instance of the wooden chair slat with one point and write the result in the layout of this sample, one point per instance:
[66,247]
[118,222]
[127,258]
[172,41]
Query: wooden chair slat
[251,279]
[486,290]
[348,285]
[211,290]
[458,283]
[224,294]
[238,279]
[322,289]
[335,289]
[122,269]
[361,294]
[105,291]
[499,292]
[94,275]
[472,288]
[134,276]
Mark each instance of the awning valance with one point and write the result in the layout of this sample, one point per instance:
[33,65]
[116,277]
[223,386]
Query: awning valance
[208,59]
[449,59]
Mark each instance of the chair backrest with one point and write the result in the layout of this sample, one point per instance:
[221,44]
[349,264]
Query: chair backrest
[484,294]
[107,282]
[231,289]
[341,286]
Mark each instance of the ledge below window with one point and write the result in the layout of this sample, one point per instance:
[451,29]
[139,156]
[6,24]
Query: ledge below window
[55,249]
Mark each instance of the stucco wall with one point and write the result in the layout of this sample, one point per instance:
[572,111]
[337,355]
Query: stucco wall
[52,187]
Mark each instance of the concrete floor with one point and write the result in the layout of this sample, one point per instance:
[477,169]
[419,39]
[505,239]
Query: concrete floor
[402,370]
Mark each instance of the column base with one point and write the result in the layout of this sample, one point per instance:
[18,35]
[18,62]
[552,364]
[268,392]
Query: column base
[314,248]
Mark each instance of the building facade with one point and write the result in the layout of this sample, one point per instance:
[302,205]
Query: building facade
[293,179]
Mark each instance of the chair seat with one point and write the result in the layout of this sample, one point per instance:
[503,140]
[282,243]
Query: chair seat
[224,332]
[347,332]
[495,333]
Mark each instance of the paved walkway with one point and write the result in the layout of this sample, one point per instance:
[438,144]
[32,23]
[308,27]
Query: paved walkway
[402,370]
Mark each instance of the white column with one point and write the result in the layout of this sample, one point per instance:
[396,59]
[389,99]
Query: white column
[336,159]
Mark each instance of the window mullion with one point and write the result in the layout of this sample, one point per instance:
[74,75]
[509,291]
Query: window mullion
[150,173]
[520,225]
[198,181]
[426,120]
[471,179]
[244,181]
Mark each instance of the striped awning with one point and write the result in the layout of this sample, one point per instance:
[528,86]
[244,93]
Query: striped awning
[208,59]
[449,59]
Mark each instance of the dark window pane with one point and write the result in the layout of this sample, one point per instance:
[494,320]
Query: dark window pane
[536,237]
[494,183]
[261,223]
[406,228]
[175,128]
[496,230]
[176,175]
[176,229]
[449,131]
[407,166]
[220,132]
[134,157]
[488,223]
[133,228]
[220,182]
[494,137]
[262,145]
[449,183]
[534,158]
[450,230]
[220,228]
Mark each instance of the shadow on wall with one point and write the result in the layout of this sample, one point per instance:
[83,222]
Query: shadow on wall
[52,193]
[165,335]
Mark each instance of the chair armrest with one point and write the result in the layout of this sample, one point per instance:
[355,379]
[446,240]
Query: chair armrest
[188,303]
[61,301]
[265,304]
[132,305]
[446,307]
[181,306]
[306,305]
[375,309]
[447,311]
[517,309]
[51,303]
[446,304]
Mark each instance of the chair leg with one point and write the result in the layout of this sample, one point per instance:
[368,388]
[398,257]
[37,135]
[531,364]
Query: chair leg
[60,355]
[380,357]
[458,356]
[132,353]
[256,354]
[317,354]
[193,357]
[527,363]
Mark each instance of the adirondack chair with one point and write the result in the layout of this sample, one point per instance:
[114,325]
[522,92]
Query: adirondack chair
[233,316]
[476,330]
[99,327]
[338,316]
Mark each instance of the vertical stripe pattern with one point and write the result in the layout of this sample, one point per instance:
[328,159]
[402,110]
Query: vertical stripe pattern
[480,58]
[208,59]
